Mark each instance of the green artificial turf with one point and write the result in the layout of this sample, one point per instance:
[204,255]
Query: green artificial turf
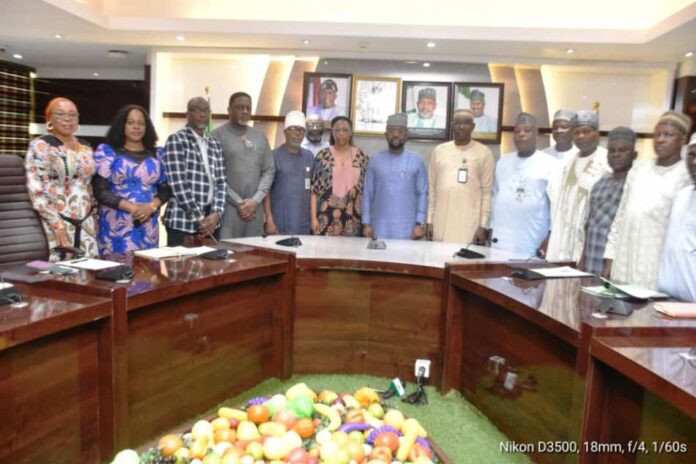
[458,427]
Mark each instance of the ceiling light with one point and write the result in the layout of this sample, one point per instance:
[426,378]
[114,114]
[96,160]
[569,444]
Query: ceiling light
[305,41]
[570,51]
[689,54]
[326,62]
[58,36]
[95,74]
[430,45]
[426,65]
[180,38]
[411,62]
[17,56]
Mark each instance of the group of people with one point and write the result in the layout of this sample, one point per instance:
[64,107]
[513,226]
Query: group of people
[575,201]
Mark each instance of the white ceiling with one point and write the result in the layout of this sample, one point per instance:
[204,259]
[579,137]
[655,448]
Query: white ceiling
[533,31]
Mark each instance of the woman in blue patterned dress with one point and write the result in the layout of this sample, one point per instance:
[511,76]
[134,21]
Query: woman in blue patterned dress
[130,184]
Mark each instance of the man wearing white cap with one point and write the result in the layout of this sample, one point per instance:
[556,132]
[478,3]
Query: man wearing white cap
[678,264]
[572,194]
[561,131]
[634,243]
[287,206]
[395,198]
[460,174]
[424,116]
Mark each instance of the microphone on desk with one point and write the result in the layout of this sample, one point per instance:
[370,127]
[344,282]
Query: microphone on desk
[469,254]
[291,241]
[9,295]
[375,243]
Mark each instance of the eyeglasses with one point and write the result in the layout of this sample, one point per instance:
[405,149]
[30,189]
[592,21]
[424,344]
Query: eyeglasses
[295,129]
[66,116]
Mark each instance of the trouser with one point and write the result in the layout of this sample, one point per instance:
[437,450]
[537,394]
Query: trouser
[177,237]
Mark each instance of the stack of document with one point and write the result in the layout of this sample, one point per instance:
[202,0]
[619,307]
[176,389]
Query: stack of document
[172,252]
[676,309]
[624,291]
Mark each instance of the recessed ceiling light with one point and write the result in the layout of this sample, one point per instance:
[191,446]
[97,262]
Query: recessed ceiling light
[570,51]
[689,54]
[326,62]
[95,74]
[180,38]
[305,41]
[411,62]
[430,45]
[17,56]
[426,65]
[58,36]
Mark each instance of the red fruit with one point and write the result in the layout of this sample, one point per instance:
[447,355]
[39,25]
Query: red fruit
[258,414]
[285,417]
[298,456]
[387,439]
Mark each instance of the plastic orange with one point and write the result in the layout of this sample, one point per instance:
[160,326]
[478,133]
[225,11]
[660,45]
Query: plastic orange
[304,428]
[258,414]
[387,439]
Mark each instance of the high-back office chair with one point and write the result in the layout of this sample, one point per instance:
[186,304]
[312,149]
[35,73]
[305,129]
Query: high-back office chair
[22,236]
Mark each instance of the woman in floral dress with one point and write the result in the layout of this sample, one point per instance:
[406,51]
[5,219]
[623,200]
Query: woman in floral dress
[130,184]
[338,177]
[59,170]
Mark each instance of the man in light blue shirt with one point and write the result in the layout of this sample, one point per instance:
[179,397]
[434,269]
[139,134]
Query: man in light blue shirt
[520,218]
[395,197]
[678,263]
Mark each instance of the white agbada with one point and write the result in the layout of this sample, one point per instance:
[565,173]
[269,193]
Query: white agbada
[561,155]
[571,203]
[678,263]
[636,236]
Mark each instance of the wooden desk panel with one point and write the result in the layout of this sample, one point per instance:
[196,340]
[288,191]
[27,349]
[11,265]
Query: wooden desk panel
[641,396]
[187,354]
[49,371]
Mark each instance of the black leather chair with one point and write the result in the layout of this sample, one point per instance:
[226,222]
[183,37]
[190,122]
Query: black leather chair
[22,237]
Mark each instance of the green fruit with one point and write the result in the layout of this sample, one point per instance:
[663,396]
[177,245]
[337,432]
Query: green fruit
[376,410]
[357,436]
[276,403]
[255,450]
[302,406]
[212,459]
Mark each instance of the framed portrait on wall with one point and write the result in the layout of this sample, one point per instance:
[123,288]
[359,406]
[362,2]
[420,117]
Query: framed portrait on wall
[427,106]
[374,100]
[327,95]
[485,100]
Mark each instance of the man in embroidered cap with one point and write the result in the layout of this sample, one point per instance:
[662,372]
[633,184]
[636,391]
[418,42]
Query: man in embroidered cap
[314,137]
[249,169]
[678,263]
[571,190]
[287,206]
[425,116]
[477,104]
[395,198]
[327,108]
[605,198]
[460,174]
[633,250]
[521,204]
[561,131]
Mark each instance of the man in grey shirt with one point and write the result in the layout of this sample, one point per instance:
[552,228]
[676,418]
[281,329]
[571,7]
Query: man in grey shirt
[249,169]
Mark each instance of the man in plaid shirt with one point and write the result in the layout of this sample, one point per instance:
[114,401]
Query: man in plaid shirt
[605,197]
[196,174]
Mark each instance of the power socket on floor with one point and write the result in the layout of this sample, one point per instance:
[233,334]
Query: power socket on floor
[422,363]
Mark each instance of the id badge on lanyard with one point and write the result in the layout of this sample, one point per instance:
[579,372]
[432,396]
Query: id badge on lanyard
[306,179]
[463,175]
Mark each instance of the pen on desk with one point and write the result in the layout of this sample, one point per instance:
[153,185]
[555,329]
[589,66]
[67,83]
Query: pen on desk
[74,261]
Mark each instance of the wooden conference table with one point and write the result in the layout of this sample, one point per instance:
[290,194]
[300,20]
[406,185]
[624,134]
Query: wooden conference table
[519,350]
[366,311]
[182,336]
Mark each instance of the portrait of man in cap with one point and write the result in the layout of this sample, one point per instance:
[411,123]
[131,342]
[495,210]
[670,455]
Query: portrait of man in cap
[485,101]
[426,105]
[327,95]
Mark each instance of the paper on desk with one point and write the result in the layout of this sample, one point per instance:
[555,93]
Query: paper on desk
[562,271]
[90,264]
[676,309]
[172,252]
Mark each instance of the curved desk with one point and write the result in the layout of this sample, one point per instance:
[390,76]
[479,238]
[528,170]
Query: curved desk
[370,311]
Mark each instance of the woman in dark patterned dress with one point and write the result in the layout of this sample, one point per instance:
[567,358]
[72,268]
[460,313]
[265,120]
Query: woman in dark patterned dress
[338,177]
[130,184]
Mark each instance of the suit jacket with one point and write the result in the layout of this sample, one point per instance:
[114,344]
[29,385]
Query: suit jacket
[189,180]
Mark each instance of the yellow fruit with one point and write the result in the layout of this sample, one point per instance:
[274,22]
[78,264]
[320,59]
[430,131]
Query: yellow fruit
[394,418]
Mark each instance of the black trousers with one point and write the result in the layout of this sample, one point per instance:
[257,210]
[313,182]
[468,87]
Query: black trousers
[178,237]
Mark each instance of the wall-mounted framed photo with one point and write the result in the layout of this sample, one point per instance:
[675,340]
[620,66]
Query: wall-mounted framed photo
[327,95]
[485,100]
[374,100]
[427,105]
